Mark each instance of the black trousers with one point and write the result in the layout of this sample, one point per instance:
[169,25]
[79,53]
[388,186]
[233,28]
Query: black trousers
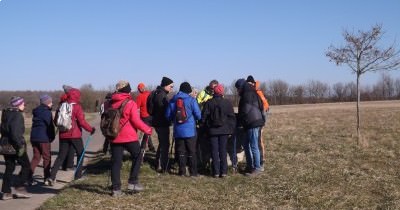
[163,147]
[117,152]
[69,161]
[186,151]
[219,154]
[77,144]
[10,161]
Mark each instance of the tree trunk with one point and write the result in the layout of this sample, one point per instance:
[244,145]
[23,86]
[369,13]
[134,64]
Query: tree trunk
[358,111]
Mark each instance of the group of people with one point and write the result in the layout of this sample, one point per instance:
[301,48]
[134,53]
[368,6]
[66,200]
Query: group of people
[201,123]
[209,123]
[42,135]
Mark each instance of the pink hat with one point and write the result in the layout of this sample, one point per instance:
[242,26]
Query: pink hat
[219,89]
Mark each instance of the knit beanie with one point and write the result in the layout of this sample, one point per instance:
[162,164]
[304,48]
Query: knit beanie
[66,88]
[166,81]
[240,83]
[185,87]
[15,101]
[141,86]
[250,79]
[219,90]
[45,99]
[123,87]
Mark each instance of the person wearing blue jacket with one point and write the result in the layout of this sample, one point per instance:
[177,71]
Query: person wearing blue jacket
[185,132]
[42,134]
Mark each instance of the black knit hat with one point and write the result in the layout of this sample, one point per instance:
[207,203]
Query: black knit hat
[185,87]
[166,81]
[250,79]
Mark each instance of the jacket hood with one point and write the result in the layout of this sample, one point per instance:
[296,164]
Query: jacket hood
[180,94]
[74,96]
[118,98]
[246,88]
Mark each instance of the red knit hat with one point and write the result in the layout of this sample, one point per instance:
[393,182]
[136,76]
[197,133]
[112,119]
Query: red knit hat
[219,89]
[141,86]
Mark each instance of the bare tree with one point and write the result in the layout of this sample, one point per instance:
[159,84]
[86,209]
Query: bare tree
[297,93]
[339,91]
[278,90]
[362,54]
[317,90]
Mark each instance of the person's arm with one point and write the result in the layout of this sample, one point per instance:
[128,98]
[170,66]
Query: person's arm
[80,117]
[135,120]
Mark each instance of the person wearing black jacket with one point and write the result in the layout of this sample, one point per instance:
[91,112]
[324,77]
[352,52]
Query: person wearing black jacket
[42,134]
[161,123]
[219,119]
[251,117]
[12,130]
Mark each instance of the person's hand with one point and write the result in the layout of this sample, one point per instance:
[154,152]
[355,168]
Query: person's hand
[148,132]
[21,151]
[93,130]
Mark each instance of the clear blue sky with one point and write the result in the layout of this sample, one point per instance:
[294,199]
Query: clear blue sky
[47,43]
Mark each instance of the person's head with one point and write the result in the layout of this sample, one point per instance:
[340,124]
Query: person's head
[46,100]
[66,88]
[123,87]
[141,87]
[185,87]
[213,83]
[108,96]
[167,84]
[17,102]
[239,84]
[251,81]
[219,90]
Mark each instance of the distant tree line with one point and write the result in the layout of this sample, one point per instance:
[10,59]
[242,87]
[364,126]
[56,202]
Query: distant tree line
[278,92]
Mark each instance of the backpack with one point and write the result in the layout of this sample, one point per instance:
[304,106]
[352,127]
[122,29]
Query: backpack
[180,113]
[150,102]
[217,117]
[109,124]
[64,116]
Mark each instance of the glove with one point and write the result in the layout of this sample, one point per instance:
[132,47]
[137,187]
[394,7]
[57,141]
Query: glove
[93,130]
[21,151]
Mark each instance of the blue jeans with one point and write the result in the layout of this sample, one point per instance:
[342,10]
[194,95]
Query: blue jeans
[251,149]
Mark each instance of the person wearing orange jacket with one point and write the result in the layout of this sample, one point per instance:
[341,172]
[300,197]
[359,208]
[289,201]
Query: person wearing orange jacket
[127,138]
[71,137]
[256,85]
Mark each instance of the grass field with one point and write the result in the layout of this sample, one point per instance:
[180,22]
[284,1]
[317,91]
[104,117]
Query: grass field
[313,162]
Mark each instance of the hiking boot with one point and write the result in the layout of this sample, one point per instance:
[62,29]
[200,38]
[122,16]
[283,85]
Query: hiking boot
[7,196]
[254,173]
[117,193]
[135,187]
[21,192]
[223,175]
[262,168]
[49,182]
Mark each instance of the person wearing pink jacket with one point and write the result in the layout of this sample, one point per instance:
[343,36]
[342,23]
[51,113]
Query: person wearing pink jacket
[127,139]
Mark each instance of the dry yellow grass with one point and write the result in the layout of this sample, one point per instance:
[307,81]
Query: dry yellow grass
[313,162]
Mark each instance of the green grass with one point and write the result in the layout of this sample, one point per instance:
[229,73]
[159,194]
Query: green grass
[312,163]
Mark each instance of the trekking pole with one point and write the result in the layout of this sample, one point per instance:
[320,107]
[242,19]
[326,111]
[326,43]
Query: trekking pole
[145,140]
[89,138]
[172,146]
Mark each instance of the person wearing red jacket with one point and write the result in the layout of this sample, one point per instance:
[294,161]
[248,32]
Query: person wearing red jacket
[127,138]
[71,137]
[141,102]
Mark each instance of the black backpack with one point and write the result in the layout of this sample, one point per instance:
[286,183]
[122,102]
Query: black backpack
[109,124]
[150,102]
[180,114]
[217,117]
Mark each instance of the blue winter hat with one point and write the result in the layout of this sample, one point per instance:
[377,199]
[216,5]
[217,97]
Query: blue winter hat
[45,99]
[240,83]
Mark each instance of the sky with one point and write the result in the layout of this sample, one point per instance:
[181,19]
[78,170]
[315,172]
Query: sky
[46,43]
